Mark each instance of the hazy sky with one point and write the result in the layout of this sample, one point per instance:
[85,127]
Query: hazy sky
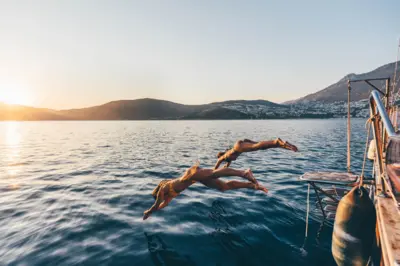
[66,54]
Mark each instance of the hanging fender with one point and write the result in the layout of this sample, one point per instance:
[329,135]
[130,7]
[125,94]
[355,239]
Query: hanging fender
[354,228]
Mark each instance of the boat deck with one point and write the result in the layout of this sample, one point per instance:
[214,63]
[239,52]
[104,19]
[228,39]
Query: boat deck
[388,218]
[332,178]
[388,205]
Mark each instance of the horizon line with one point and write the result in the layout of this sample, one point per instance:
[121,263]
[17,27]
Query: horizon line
[137,99]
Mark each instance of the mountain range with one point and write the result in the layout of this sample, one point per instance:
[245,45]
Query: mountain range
[359,91]
[326,103]
[140,109]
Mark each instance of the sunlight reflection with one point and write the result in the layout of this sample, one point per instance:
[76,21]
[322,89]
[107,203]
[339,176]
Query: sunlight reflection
[13,138]
[13,186]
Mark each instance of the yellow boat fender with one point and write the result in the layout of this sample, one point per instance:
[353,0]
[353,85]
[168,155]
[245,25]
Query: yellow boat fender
[354,228]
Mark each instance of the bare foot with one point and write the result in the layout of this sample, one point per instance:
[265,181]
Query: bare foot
[260,187]
[249,175]
[286,145]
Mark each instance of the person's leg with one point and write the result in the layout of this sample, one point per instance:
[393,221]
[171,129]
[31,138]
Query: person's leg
[265,145]
[286,145]
[225,172]
[245,146]
[224,186]
[215,184]
[233,184]
[207,174]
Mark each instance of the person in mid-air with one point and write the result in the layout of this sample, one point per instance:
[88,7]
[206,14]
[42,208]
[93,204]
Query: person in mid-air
[168,189]
[247,145]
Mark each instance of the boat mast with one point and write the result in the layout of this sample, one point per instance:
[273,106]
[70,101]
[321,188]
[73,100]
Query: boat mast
[395,95]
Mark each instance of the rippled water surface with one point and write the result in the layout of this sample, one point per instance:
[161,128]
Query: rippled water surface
[73,193]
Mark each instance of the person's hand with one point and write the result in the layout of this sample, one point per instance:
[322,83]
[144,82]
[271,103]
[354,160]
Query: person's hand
[146,214]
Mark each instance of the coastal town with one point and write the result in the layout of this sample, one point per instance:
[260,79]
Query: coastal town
[314,109]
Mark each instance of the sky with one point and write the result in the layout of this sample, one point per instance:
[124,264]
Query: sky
[78,53]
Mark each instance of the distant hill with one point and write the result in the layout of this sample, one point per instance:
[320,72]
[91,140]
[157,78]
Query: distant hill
[141,109]
[19,112]
[360,90]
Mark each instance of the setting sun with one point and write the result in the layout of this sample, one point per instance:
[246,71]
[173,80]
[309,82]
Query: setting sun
[14,95]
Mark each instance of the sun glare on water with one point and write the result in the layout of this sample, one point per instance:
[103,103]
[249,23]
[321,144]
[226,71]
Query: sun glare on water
[15,95]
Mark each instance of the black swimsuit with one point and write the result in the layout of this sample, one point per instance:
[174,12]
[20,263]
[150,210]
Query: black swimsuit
[234,153]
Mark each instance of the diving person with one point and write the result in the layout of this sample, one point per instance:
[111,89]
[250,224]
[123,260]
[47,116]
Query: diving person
[168,189]
[247,145]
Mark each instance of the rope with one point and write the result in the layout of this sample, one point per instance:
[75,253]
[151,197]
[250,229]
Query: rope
[334,189]
[320,231]
[308,208]
[394,91]
[365,153]
[348,126]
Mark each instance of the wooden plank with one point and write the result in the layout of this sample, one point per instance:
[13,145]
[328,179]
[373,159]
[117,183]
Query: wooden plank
[393,150]
[394,116]
[329,177]
[388,217]
[393,171]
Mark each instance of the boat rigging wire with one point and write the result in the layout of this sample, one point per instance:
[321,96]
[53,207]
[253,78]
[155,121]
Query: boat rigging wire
[348,125]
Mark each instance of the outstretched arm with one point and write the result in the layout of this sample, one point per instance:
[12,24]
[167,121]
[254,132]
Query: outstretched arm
[155,207]
[227,164]
[220,160]
[164,203]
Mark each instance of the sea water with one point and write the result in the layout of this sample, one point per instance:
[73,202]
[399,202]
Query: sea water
[73,193]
